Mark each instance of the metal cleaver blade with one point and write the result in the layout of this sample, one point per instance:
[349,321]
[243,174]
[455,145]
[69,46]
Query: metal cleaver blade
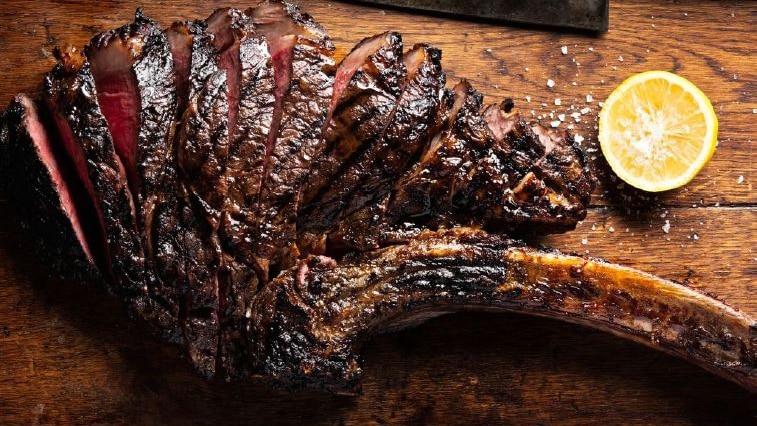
[586,15]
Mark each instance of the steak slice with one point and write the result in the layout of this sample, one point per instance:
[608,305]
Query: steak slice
[417,116]
[368,84]
[304,69]
[207,136]
[70,95]
[547,178]
[46,193]
[496,173]
[133,71]
[312,320]
[238,278]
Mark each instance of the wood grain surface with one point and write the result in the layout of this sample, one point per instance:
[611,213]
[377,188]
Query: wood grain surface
[68,355]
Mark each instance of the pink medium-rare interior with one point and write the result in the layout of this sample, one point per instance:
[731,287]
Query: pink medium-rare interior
[118,97]
[43,145]
[75,153]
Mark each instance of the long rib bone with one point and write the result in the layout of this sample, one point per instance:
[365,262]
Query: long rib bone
[313,319]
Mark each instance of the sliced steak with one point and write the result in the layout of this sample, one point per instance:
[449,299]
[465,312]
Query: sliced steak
[133,71]
[47,195]
[496,172]
[368,84]
[417,117]
[304,69]
[180,36]
[544,175]
[70,95]
[244,173]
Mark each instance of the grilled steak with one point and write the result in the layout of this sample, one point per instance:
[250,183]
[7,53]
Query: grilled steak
[132,68]
[366,90]
[42,184]
[304,76]
[71,96]
[270,211]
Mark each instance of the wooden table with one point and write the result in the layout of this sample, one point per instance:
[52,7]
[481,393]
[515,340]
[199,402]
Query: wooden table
[67,354]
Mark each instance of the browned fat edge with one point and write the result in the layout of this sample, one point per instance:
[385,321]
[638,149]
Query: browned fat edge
[333,308]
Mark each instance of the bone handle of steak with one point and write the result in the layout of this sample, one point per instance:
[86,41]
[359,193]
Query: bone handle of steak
[317,316]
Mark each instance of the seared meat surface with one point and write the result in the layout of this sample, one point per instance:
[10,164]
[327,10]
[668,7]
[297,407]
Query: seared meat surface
[269,207]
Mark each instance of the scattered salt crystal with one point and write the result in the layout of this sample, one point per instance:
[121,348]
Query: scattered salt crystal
[601,104]
[717,204]
[526,68]
[578,139]
[620,58]
[528,99]
[561,117]
[754,111]
[555,123]
[614,68]
[593,226]
[591,49]
[564,50]
[558,101]
[695,236]
[552,115]
[589,98]
[585,110]
[611,229]
[576,115]
[666,227]
[740,180]
[550,83]
[573,83]
[571,127]
[584,241]
[488,51]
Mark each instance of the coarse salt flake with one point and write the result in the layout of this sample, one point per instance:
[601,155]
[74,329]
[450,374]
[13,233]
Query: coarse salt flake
[585,110]
[584,241]
[561,117]
[550,82]
[589,98]
[558,101]
[740,180]
[666,227]
[555,123]
[564,50]
[578,138]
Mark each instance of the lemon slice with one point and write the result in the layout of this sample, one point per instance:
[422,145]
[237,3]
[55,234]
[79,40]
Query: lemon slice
[657,130]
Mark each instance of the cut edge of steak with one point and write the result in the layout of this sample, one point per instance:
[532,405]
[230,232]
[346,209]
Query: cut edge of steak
[302,56]
[46,193]
[133,71]
[367,86]
[369,176]
[70,95]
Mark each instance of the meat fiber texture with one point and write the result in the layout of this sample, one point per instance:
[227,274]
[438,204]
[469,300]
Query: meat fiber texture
[268,209]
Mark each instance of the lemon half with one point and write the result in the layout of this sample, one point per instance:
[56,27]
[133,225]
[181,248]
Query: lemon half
[657,130]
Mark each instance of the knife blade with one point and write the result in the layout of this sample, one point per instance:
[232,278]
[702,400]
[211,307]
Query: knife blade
[591,15]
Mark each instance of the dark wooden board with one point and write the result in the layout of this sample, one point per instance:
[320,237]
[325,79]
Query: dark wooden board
[69,356]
